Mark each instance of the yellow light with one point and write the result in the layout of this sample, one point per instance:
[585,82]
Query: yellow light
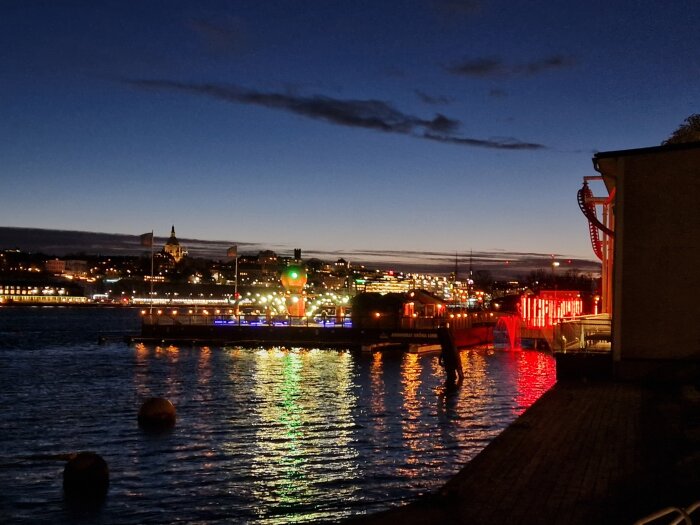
[160,312]
[174,312]
[377,314]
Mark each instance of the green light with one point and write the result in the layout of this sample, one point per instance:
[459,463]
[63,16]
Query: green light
[294,275]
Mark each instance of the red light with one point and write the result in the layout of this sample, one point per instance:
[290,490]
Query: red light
[546,309]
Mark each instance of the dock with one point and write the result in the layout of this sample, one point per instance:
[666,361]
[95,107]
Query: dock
[221,329]
[585,453]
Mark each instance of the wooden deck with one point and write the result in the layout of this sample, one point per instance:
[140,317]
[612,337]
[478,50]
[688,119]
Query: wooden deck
[585,453]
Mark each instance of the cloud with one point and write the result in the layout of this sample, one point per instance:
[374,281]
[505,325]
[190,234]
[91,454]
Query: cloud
[546,64]
[430,99]
[370,114]
[479,67]
[495,67]
[502,264]
[494,143]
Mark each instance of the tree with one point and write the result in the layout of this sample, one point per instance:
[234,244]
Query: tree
[689,131]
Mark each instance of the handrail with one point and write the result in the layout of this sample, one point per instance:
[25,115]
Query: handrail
[583,333]
[171,317]
[684,515]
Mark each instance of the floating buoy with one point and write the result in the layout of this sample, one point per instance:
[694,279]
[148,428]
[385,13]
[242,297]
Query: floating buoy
[86,478]
[157,414]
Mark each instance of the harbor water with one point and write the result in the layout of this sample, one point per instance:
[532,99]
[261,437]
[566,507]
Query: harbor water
[282,435]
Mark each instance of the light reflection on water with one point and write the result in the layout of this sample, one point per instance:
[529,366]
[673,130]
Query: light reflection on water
[263,435]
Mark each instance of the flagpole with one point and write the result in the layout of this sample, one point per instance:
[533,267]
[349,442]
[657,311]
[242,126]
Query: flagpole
[151,301]
[235,284]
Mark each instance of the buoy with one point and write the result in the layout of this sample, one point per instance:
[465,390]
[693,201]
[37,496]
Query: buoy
[86,478]
[157,414]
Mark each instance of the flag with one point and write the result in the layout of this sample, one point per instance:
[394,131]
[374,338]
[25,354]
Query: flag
[232,251]
[146,239]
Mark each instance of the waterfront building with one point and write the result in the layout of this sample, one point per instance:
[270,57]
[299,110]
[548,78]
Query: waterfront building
[389,282]
[33,291]
[654,221]
[435,284]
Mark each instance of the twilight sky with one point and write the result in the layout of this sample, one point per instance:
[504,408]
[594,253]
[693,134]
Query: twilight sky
[412,125]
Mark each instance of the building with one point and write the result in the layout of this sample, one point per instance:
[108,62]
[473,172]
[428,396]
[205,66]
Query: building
[654,196]
[262,270]
[39,291]
[55,266]
[385,283]
[173,248]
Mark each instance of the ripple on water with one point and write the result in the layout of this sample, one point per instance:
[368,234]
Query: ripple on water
[262,436]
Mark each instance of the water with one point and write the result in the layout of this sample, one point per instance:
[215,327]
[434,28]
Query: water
[263,436]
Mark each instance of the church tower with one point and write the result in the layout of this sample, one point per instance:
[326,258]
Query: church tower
[173,248]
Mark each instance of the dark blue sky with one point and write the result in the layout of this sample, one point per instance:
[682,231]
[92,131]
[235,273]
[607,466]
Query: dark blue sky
[434,125]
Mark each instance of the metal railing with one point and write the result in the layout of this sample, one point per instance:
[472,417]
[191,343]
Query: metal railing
[212,317]
[584,333]
[682,515]
[168,318]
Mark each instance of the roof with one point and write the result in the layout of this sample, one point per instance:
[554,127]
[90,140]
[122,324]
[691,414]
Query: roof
[611,169]
[645,151]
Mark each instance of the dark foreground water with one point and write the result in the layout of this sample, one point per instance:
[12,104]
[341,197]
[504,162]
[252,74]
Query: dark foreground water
[263,436]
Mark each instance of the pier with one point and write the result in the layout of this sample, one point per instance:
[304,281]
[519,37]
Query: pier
[226,328]
[586,452]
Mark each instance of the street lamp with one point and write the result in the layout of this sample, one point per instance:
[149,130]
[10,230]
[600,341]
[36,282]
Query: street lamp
[555,265]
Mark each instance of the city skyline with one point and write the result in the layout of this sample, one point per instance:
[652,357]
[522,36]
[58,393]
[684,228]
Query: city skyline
[430,127]
[501,264]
